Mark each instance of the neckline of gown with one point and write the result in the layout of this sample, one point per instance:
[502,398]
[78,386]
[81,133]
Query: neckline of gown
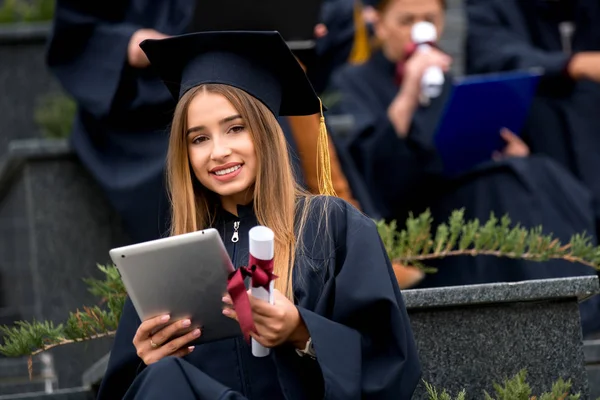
[380,60]
[243,211]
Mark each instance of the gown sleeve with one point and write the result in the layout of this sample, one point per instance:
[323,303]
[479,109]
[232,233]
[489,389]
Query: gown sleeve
[497,40]
[360,327]
[90,68]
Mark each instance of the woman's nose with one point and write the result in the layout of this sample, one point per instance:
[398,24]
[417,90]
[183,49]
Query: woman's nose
[220,150]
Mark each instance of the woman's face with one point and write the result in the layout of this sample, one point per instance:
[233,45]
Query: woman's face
[393,26]
[220,149]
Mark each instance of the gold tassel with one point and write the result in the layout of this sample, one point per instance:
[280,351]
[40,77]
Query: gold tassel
[361,50]
[323,158]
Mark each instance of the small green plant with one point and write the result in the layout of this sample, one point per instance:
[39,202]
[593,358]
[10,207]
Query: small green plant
[31,338]
[416,244]
[433,393]
[54,115]
[13,11]
[515,388]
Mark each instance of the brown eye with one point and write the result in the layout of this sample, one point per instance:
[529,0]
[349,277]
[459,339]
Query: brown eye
[199,139]
[236,129]
[406,20]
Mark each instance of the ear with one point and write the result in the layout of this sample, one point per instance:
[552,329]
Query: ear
[370,15]
[379,28]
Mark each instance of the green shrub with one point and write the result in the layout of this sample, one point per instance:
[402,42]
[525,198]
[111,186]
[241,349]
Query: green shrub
[54,115]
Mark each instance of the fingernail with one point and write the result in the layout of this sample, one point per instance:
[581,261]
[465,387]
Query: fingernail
[226,311]
[186,323]
[165,318]
[196,332]
[191,348]
[224,299]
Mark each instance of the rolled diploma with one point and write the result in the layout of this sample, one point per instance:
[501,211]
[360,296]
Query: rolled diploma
[262,247]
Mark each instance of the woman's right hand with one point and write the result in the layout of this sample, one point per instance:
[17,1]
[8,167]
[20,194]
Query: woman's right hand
[418,63]
[135,55]
[152,348]
[401,110]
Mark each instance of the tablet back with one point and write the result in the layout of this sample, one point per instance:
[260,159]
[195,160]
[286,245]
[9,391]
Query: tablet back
[184,276]
[478,108]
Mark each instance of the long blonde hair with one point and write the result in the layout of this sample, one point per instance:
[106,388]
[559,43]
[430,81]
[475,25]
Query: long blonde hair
[275,190]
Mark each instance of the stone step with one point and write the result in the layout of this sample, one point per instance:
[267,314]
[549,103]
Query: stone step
[63,394]
[14,375]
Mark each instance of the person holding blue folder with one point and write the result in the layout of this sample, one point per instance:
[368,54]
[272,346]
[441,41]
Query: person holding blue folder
[393,145]
[562,38]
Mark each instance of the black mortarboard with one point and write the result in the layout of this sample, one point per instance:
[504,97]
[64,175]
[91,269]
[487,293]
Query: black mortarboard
[372,3]
[258,62]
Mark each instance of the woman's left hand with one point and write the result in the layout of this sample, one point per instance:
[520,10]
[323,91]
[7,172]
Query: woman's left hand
[515,146]
[275,323]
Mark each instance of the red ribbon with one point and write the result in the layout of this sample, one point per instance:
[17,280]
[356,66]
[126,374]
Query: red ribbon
[261,274]
[409,50]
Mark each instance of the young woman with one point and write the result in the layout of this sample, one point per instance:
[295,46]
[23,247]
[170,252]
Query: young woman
[338,328]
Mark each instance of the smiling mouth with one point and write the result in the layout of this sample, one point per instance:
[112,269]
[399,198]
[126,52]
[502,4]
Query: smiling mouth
[227,171]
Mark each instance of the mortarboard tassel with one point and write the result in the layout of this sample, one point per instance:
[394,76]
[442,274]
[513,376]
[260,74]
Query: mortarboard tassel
[323,158]
[361,49]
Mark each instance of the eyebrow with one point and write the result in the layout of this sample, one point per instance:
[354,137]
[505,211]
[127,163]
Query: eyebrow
[221,122]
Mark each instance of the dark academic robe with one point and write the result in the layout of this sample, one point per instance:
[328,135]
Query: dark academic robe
[564,124]
[346,294]
[122,124]
[334,49]
[405,175]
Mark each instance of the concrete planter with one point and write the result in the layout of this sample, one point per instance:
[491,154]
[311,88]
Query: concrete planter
[470,336]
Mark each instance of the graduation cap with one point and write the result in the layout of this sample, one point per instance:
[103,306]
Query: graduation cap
[372,3]
[257,62]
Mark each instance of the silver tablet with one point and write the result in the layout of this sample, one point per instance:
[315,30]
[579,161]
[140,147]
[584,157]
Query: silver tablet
[184,276]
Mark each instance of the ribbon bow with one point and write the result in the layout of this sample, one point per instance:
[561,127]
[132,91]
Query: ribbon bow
[261,274]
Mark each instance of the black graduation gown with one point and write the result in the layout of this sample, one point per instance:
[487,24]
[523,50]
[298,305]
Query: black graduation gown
[346,293]
[405,175]
[121,129]
[564,124]
[334,49]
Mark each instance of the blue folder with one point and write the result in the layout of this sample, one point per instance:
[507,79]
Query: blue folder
[477,109]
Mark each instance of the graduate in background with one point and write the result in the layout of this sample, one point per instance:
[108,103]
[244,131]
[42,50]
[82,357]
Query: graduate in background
[562,37]
[338,328]
[392,146]
[121,128]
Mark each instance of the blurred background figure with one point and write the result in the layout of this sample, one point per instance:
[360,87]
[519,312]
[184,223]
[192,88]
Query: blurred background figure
[392,146]
[561,37]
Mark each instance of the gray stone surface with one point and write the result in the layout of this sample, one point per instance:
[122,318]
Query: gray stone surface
[55,226]
[65,394]
[24,79]
[534,290]
[453,39]
[93,375]
[591,351]
[469,337]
